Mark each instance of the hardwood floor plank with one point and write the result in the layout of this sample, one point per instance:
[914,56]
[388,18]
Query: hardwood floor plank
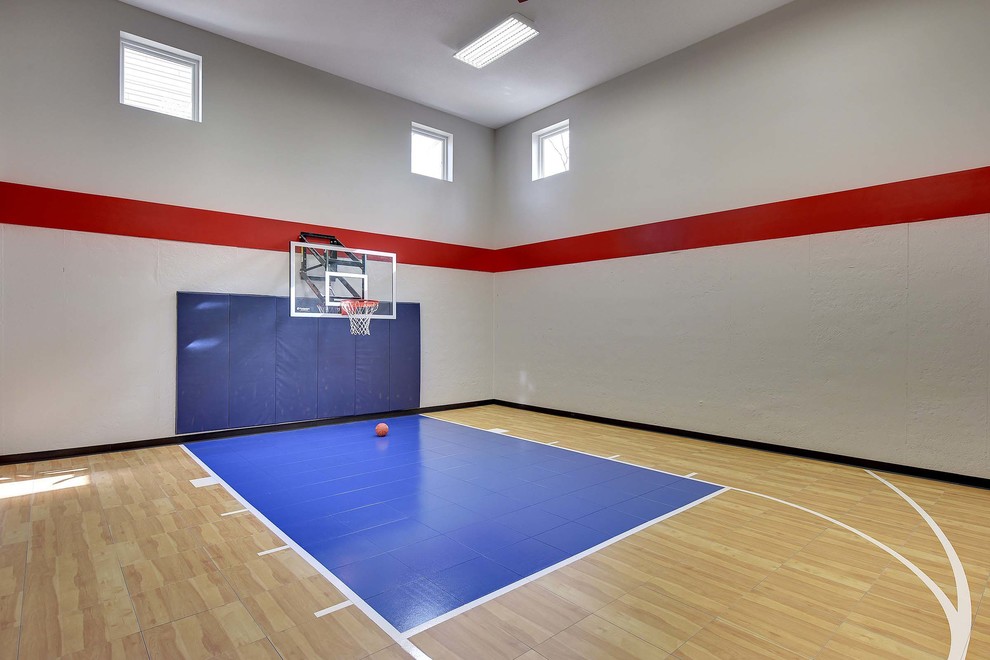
[594,637]
[348,632]
[533,614]
[95,549]
[473,634]
[204,635]
[182,598]
[292,604]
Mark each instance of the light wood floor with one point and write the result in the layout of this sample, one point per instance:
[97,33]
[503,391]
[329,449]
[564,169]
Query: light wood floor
[119,556]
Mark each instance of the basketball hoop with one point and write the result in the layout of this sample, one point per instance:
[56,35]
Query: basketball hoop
[359,313]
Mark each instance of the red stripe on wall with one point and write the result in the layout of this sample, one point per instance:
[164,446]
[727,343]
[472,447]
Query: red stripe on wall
[61,209]
[929,198]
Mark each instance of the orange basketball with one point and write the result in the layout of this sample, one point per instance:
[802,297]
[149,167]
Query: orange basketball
[381,430]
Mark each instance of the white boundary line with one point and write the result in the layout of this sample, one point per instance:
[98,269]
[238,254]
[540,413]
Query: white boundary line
[961,624]
[552,444]
[960,637]
[943,600]
[609,458]
[550,569]
[578,451]
[280,548]
[402,639]
[369,611]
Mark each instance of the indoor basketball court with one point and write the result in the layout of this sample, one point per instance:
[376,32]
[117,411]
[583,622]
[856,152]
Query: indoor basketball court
[280,377]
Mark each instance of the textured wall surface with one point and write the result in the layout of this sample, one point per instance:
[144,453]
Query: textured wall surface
[87,331]
[871,343]
[278,139]
[815,97]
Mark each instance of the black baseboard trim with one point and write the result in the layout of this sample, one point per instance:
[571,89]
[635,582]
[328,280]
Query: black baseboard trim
[896,468]
[70,452]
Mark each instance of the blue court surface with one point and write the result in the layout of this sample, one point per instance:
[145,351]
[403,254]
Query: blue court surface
[437,515]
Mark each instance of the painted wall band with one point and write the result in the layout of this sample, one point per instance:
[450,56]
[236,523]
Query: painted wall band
[62,209]
[935,197]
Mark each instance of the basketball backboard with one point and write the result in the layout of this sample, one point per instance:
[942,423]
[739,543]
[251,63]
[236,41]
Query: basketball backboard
[321,275]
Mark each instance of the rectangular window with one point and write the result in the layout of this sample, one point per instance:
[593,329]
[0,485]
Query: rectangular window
[160,78]
[432,152]
[552,150]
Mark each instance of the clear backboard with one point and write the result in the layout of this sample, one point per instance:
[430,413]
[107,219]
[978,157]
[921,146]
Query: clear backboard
[322,275]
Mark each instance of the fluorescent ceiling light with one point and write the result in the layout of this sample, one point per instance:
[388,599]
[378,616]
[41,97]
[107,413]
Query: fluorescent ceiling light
[507,35]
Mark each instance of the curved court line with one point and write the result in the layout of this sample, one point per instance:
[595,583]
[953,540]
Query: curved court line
[958,643]
[961,625]
[959,620]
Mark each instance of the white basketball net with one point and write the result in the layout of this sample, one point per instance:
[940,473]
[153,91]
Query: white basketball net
[359,313]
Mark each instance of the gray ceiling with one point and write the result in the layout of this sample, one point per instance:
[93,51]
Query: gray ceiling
[405,46]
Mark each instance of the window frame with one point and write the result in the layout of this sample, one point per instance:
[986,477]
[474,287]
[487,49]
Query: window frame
[448,149]
[538,138]
[164,51]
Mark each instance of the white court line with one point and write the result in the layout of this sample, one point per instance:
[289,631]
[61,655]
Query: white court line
[273,550]
[959,638]
[609,458]
[231,513]
[330,610]
[205,481]
[349,594]
[403,638]
[943,600]
[578,451]
[961,626]
[497,430]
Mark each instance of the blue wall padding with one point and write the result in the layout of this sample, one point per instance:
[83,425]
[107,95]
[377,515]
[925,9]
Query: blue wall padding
[295,365]
[202,357]
[335,369]
[371,367]
[252,364]
[243,361]
[404,362]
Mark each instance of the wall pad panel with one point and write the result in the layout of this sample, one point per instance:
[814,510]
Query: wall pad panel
[243,361]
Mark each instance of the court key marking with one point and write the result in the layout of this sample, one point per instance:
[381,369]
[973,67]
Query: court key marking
[273,550]
[333,608]
[202,482]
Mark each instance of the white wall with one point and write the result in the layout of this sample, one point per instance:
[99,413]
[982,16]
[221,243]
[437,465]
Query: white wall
[278,139]
[87,321]
[815,97]
[870,343]
[87,344]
